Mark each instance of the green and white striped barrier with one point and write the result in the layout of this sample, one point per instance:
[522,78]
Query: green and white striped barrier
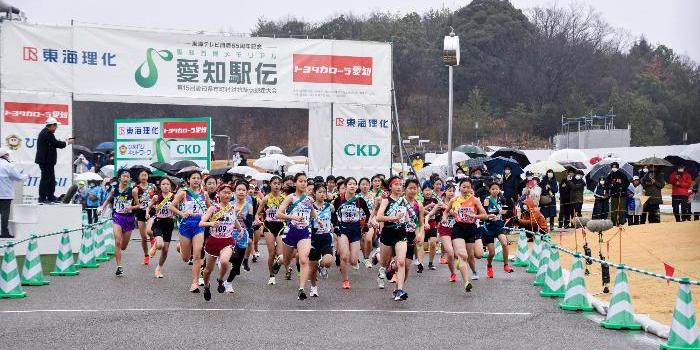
[534,261]
[576,297]
[64,259]
[32,273]
[86,256]
[620,313]
[684,333]
[553,280]
[10,286]
[543,265]
[498,250]
[521,257]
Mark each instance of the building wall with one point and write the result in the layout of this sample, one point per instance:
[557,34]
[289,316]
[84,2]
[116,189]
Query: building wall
[593,139]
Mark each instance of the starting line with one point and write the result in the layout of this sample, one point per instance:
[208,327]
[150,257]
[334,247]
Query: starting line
[271,311]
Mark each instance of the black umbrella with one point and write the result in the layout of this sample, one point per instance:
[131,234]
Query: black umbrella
[164,167]
[135,170]
[517,155]
[178,166]
[301,151]
[105,146]
[82,150]
[219,171]
[240,149]
[602,169]
[689,164]
[188,169]
[497,165]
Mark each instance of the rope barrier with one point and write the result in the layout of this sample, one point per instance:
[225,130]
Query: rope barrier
[11,243]
[548,239]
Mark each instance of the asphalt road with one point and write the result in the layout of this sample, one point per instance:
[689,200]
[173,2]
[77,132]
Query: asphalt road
[97,310]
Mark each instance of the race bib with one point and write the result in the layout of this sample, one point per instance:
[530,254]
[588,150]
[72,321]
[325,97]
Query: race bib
[349,213]
[223,229]
[270,214]
[121,205]
[463,214]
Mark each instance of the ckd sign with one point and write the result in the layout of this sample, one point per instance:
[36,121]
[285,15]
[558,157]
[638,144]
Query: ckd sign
[188,149]
[360,150]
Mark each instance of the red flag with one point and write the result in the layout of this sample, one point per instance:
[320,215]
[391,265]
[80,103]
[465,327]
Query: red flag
[669,271]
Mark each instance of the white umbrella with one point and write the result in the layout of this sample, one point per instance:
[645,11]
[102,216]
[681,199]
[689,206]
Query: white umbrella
[243,170]
[107,170]
[297,168]
[541,167]
[691,152]
[271,150]
[88,176]
[457,157]
[433,169]
[263,176]
[569,155]
[273,162]
[299,159]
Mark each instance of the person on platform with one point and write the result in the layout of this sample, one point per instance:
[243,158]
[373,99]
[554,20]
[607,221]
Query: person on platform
[8,175]
[46,145]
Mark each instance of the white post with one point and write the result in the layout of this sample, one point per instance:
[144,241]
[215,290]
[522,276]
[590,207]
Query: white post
[449,126]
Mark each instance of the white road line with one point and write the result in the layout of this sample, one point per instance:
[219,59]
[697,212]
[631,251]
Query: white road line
[273,311]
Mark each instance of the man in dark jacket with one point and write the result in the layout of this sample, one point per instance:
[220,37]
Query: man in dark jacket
[652,184]
[565,212]
[46,145]
[617,184]
[576,188]
[510,183]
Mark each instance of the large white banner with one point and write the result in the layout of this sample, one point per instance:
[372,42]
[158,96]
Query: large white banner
[361,140]
[117,62]
[23,117]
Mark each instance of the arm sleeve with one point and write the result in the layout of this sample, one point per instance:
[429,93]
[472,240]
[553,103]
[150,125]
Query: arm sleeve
[56,143]
[364,208]
[15,174]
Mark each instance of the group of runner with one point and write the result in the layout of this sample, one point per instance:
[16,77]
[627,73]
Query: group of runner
[377,221]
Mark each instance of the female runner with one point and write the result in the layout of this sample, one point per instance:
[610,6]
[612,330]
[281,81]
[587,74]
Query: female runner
[321,255]
[415,216]
[446,221]
[349,208]
[163,222]
[122,201]
[495,227]
[142,194]
[367,229]
[392,212]
[244,214]
[272,226]
[429,202]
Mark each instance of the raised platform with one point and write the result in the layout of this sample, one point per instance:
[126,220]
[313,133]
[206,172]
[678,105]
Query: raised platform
[27,219]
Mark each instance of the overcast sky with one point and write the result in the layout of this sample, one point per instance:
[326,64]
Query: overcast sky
[674,23]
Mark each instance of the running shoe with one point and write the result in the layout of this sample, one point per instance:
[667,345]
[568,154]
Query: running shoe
[395,295]
[194,289]
[276,267]
[381,278]
[256,255]
[443,260]
[346,284]
[453,277]
[220,288]
[288,274]
[146,260]
[420,268]
[245,265]
[190,262]
[507,269]
[431,266]
[323,272]
[158,273]
[119,272]
[271,281]
[207,293]
[368,263]
[400,295]
[228,287]
[475,276]
[302,294]
[313,291]
[356,266]
[152,251]
[489,271]
[467,287]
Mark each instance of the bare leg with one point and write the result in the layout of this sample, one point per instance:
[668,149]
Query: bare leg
[344,252]
[448,251]
[400,248]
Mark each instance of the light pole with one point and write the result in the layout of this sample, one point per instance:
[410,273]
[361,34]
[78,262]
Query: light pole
[450,56]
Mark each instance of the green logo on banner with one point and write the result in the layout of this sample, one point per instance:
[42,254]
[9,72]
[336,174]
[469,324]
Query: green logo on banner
[152,77]
[358,150]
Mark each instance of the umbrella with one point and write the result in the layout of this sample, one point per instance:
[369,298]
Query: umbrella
[135,170]
[240,149]
[164,167]
[301,151]
[496,166]
[83,150]
[243,170]
[432,169]
[179,165]
[88,176]
[457,157]
[296,169]
[471,150]
[273,161]
[107,170]
[653,161]
[602,169]
[219,171]
[271,150]
[188,169]
[541,167]
[595,160]
[691,152]
[573,165]
[517,155]
[263,176]
[476,162]
[689,164]
[105,146]
[569,155]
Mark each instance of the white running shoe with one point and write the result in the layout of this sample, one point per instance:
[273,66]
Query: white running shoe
[200,281]
[356,266]
[229,287]
[368,263]
[381,278]
[475,276]
[313,291]
[272,281]
[256,255]
[323,272]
